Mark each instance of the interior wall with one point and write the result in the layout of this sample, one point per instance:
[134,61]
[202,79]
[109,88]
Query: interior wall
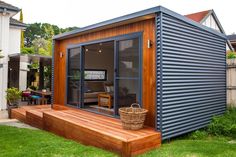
[104,60]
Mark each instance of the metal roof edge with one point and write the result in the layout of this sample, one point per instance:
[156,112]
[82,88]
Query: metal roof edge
[136,15]
[108,22]
[194,23]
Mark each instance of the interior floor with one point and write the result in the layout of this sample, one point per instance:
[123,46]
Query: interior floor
[99,77]
[101,109]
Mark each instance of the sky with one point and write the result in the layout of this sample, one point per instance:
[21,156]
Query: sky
[80,13]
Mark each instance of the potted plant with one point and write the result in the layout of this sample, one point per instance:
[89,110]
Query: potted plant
[13,96]
[231,57]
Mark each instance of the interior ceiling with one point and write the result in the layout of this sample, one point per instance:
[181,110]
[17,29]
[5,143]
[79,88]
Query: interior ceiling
[104,46]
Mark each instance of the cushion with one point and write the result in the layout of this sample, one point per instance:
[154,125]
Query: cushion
[35,97]
[109,89]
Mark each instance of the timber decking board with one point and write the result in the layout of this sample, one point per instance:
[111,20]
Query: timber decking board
[35,117]
[90,129]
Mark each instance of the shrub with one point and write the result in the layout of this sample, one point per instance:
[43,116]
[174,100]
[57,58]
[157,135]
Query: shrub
[199,135]
[231,55]
[13,95]
[27,50]
[224,125]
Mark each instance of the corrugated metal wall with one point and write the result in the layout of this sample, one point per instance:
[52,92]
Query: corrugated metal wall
[191,76]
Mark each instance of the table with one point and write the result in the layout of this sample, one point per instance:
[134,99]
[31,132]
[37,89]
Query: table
[43,95]
[105,99]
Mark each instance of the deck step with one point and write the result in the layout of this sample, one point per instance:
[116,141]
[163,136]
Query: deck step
[90,129]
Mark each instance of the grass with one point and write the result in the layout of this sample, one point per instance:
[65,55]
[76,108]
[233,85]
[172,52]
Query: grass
[16,142]
[215,147]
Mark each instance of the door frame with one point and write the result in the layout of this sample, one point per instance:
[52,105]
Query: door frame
[115,39]
[116,68]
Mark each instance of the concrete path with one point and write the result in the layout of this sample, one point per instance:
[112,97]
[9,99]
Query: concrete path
[3,114]
[4,120]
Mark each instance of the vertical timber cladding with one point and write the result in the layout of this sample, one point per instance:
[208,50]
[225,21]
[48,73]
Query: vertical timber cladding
[191,76]
[147,27]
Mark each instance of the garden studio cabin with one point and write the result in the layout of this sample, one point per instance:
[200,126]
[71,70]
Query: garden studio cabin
[172,66]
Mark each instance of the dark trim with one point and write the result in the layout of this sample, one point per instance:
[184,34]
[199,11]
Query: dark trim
[114,39]
[133,16]
[118,37]
[53,72]
[109,22]
[114,79]
[66,81]
[161,69]
[82,64]
[139,78]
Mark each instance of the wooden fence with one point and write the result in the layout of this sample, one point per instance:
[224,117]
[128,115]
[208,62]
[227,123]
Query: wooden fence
[231,82]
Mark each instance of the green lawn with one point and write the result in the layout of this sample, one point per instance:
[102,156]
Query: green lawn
[15,142]
[195,148]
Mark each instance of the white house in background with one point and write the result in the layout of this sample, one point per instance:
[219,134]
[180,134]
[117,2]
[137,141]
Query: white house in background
[10,36]
[208,18]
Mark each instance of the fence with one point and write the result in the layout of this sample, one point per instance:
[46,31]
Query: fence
[231,82]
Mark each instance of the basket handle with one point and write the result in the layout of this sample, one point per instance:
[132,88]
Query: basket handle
[135,104]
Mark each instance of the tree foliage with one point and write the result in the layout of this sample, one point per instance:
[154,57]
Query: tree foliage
[38,38]
[22,32]
[43,30]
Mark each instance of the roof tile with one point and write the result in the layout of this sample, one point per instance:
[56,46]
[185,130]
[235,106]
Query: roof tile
[198,16]
[8,6]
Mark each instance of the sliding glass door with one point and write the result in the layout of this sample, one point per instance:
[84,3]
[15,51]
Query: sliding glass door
[128,73]
[74,75]
[124,78]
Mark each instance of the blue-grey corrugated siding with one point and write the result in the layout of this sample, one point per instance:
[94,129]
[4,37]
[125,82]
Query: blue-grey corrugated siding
[191,76]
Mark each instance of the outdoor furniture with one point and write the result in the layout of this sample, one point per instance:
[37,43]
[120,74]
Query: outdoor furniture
[25,95]
[105,99]
[34,99]
[40,97]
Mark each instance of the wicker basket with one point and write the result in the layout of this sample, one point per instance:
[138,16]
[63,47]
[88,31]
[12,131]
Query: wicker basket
[132,118]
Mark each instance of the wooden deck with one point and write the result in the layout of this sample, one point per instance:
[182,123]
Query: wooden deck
[90,129]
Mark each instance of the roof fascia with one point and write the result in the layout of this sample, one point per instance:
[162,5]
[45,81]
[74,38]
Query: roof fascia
[109,22]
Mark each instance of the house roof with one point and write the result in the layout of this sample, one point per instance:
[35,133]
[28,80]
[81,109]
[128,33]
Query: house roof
[232,37]
[199,16]
[140,15]
[31,58]
[4,5]
[14,22]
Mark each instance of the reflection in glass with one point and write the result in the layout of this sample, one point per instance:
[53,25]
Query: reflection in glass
[74,75]
[128,58]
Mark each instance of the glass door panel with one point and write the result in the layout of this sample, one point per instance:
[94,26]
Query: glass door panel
[127,78]
[74,77]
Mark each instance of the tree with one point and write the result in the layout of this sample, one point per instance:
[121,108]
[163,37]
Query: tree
[32,31]
[22,44]
[42,46]
[38,37]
